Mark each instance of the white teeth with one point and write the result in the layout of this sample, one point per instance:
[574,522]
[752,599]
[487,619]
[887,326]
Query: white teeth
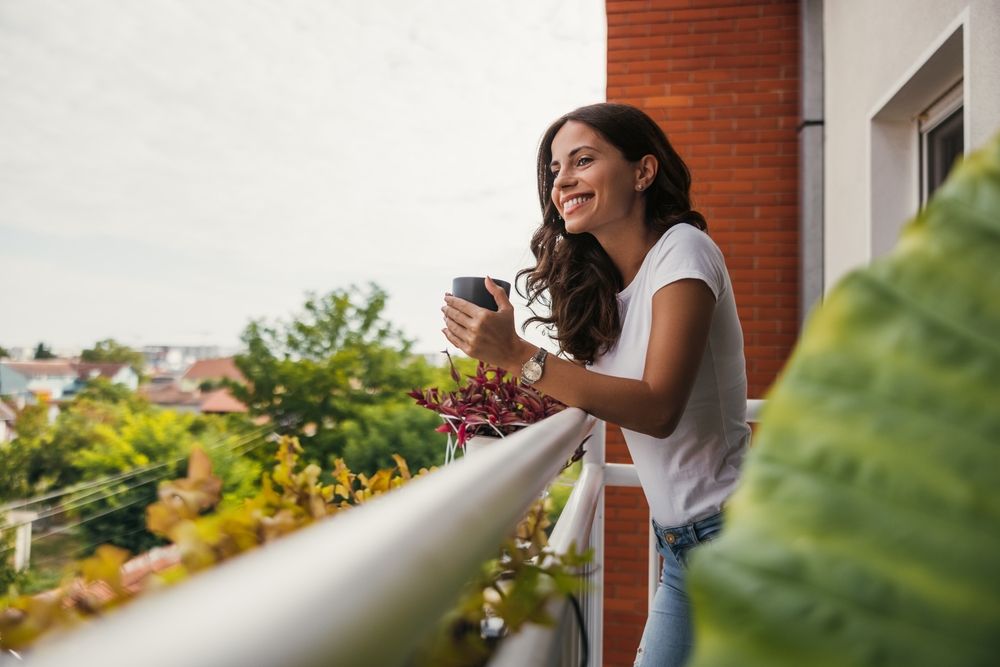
[576,200]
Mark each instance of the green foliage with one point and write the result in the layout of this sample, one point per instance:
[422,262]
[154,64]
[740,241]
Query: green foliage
[107,430]
[867,526]
[8,575]
[43,352]
[4,353]
[515,587]
[319,375]
[111,351]
[380,431]
[191,513]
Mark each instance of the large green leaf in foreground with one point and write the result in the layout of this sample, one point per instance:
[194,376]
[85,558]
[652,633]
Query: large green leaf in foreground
[867,527]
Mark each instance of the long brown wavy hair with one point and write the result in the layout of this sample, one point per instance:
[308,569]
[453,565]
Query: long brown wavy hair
[573,276]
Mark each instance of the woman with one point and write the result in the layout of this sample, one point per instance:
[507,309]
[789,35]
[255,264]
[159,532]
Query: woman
[640,294]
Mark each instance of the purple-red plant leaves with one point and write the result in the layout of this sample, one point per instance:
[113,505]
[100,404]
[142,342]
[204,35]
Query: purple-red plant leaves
[492,402]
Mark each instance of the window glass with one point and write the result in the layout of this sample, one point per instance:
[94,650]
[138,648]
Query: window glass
[944,144]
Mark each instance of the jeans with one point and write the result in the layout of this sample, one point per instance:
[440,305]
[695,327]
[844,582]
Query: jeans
[668,637]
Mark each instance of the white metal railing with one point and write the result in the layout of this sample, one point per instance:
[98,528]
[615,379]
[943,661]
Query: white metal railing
[578,630]
[361,589]
[365,588]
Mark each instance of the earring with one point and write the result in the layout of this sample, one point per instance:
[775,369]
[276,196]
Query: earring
[639,187]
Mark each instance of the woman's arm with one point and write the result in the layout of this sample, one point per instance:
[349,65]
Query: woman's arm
[682,319]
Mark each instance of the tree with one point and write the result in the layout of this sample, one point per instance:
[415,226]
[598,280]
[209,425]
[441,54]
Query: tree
[4,353]
[331,366]
[110,351]
[394,428]
[43,352]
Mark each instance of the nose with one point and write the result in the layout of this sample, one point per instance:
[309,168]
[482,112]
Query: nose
[562,180]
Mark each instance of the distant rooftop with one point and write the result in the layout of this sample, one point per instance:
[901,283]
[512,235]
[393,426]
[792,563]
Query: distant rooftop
[43,368]
[213,369]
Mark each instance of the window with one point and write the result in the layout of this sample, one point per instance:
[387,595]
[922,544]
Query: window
[942,140]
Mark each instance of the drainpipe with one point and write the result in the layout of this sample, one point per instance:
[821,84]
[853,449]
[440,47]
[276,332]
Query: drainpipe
[810,133]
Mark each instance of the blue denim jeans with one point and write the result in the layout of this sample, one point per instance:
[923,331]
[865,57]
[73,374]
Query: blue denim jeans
[668,637]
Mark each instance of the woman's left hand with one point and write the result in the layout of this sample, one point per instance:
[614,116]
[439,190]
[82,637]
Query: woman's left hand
[483,334]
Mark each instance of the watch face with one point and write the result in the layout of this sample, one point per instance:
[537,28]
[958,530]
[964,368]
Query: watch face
[531,371]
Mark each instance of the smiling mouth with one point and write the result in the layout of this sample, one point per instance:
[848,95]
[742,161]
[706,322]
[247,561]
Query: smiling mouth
[571,205]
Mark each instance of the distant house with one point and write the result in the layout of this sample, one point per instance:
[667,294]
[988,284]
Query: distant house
[211,370]
[118,373]
[7,419]
[169,396]
[186,395]
[48,379]
[58,379]
[220,402]
[13,383]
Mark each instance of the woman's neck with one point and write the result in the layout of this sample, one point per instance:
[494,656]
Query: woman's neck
[627,247]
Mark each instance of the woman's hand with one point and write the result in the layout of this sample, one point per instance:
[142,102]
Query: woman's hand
[483,334]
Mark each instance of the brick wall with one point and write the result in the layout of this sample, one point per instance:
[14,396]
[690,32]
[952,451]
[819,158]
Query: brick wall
[721,79]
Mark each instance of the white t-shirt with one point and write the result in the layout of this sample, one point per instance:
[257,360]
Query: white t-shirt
[688,475]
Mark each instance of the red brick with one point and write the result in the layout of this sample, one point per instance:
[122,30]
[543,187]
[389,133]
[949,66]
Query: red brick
[736,38]
[733,87]
[714,27]
[644,42]
[625,6]
[691,15]
[670,77]
[647,17]
[626,79]
[669,4]
[628,30]
[665,28]
[737,12]
[711,75]
[625,55]
[690,39]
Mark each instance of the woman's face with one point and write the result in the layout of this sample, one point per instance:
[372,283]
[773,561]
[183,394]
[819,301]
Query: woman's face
[594,186]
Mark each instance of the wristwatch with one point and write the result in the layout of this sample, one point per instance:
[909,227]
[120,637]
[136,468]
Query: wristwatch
[532,369]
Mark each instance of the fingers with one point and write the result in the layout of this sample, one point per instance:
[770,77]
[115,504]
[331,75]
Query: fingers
[503,302]
[452,313]
[454,340]
[462,305]
[456,331]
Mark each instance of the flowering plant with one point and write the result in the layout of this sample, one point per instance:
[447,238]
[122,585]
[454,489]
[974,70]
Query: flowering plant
[492,402]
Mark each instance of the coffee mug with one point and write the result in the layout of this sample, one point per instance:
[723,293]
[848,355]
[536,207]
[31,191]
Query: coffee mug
[473,289]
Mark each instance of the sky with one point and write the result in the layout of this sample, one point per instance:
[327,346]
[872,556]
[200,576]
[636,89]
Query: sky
[173,169]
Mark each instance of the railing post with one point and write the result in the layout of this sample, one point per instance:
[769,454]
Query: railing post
[592,601]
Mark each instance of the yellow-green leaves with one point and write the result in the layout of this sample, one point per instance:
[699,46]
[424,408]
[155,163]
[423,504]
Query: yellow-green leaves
[866,530]
[188,514]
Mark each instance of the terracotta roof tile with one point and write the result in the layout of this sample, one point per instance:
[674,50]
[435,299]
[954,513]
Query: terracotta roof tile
[212,369]
[108,370]
[221,401]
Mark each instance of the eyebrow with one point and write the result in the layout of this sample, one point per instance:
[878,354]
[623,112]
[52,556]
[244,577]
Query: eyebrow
[572,153]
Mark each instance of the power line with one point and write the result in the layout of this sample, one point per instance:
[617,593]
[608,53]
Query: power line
[62,509]
[109,479]
[68,527]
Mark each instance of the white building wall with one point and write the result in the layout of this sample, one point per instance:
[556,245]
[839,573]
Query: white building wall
[870,48]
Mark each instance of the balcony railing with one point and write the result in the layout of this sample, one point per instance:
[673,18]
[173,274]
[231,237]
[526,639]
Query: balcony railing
[365,588]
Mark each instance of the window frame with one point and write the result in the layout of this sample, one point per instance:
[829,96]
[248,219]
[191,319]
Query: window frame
[938,112]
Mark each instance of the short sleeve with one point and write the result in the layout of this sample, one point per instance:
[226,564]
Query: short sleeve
[685,251]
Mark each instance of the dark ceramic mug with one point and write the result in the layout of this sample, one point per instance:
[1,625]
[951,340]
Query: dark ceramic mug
[473,289]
